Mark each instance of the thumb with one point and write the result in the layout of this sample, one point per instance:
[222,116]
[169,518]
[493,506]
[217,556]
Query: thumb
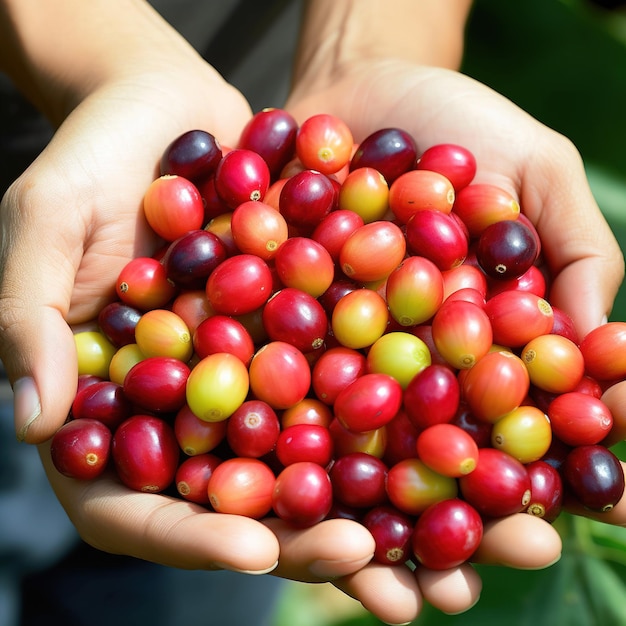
[40,358]
[37,346]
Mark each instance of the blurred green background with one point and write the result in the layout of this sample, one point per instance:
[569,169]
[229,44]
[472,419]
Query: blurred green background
[563,61]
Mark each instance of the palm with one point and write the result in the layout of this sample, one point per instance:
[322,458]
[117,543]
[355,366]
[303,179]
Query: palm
[513,151]
[109,186]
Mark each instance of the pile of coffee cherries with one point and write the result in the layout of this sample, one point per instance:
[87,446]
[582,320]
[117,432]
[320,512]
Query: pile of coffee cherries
[341,330]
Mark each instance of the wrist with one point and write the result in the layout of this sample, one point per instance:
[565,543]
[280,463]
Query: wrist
[338,36]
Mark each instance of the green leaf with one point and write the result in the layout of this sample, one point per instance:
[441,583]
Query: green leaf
[580,590]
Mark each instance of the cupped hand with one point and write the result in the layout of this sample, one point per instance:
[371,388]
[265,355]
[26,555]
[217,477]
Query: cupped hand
[69,225]
[539,166]
[74,218]
[545,172]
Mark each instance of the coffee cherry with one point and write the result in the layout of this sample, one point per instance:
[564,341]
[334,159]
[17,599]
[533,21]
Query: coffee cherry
[192,477]
[242,486]
[420,190]
[333,230]
[372,251]
[271,133]
[432,396]
[117,321]
[239,285]
[518,317]
[462,333]
[554,363]
[506,249]
[302,494]
[217,386]
[305,264]
[391,151]
[498,486]
[359,479]
[439,237]
[455,162]
[495,385]
[196,436]
[594,477]
[335,370]
[603,350]
[392,531]
[221,333]
[414,291]
[104,401]
[579,419]
[524,433]
[546,488]
[324,143]
[143,284]
[480,204]
[359,319]
[400,355]
[279,375]
[296,317]
[412,486]
[368,403]
[304,442]
[157,384]
[160,332]
[81,448]
[194,155]
[259,229]
[446,534]
[365,192]
[253,429]
[192,257]
[306,199]
[447,449]
[240,176]
[173,206]
[145,453]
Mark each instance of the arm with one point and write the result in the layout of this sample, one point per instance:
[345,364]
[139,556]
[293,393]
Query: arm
[336,34]
[97,47]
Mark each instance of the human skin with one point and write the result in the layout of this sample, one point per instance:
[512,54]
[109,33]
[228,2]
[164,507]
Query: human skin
[72,221]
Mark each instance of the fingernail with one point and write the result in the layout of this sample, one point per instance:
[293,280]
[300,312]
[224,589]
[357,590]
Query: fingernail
[255,572]
[26,405]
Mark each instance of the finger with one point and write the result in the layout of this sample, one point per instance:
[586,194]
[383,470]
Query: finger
[374,586]
[520,541]
[615,399]
[451,591]
[36,345]
[162,529]
[328,550]
[581,251]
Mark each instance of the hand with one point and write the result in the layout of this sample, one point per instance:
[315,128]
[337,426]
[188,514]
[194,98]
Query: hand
[74,218]
[70,223]
[540,167]
[544,171]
